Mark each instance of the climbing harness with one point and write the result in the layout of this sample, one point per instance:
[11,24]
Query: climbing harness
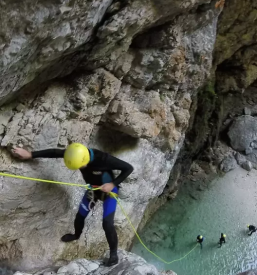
[91,197]
[113,195]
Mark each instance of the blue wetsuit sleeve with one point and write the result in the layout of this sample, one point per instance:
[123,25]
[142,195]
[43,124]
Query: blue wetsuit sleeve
[49,153]
[126,169]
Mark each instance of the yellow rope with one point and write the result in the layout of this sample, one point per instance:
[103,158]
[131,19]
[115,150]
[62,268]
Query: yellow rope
[140,240]
[112,194]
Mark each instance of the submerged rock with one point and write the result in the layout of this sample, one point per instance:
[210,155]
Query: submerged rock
[169,272]
[250,272]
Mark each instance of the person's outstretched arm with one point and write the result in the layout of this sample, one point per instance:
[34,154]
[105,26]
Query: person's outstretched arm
[48,153]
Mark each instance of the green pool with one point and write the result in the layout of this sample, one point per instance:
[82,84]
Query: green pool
[227,205]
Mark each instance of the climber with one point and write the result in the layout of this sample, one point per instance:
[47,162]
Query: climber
[222,239]
[200,240]
[97,169]
[252,229]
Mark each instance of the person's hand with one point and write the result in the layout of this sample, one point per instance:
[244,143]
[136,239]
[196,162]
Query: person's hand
[107,187]
[21,153]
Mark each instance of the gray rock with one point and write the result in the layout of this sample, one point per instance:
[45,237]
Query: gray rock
[128,264]
[235,50]
[169,272]
[2,129]
[247,111]
[229,163]
[240,158]
[242,133]
[44,41]
[250,272]
[5,116]
[141,95]
[80,267]
[248,151]
[247,165]
[254,144]
[252,156]
[49,41]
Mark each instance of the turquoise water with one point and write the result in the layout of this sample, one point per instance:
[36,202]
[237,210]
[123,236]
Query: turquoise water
[226,205]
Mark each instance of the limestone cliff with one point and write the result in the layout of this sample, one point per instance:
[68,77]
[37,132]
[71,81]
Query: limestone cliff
[129,264]
[128,77]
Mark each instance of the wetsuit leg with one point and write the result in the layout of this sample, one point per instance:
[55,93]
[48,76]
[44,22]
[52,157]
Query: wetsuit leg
[108,222]
[109,206]
[85,207]
[251,232]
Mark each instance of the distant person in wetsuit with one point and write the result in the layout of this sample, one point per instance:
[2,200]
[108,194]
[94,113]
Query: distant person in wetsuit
[200,240]
[252,229]
[222,239]
[96,168]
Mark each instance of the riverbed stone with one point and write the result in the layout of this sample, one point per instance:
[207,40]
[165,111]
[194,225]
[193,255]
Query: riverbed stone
[243,133]
[229,163]
[247,165]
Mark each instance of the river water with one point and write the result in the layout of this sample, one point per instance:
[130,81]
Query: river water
[226,206]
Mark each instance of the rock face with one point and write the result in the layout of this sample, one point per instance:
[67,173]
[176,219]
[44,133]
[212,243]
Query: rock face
[128,264]
[229,163]
[243,137]
[48,40]
[251,272]
[138,75]
[43,41]
[243,134]
[138,66]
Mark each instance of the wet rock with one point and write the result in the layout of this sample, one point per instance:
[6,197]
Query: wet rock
[229,163]
[128,264]
[247,165]
[201,188]
[6,271]
[194,196]
[250,272]
[169,272]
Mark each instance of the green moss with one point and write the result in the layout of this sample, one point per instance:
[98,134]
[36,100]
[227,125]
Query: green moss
[209,89]
[162,97]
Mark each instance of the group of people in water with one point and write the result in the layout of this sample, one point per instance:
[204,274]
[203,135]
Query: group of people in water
[222,240]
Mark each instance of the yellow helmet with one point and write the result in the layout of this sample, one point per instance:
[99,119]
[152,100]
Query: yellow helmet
[76,156]
[200,237]
[248,225]
[224,235]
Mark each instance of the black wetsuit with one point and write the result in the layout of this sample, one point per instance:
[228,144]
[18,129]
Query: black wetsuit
[252,229]
[97,172]
[200,241]
[222,240]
